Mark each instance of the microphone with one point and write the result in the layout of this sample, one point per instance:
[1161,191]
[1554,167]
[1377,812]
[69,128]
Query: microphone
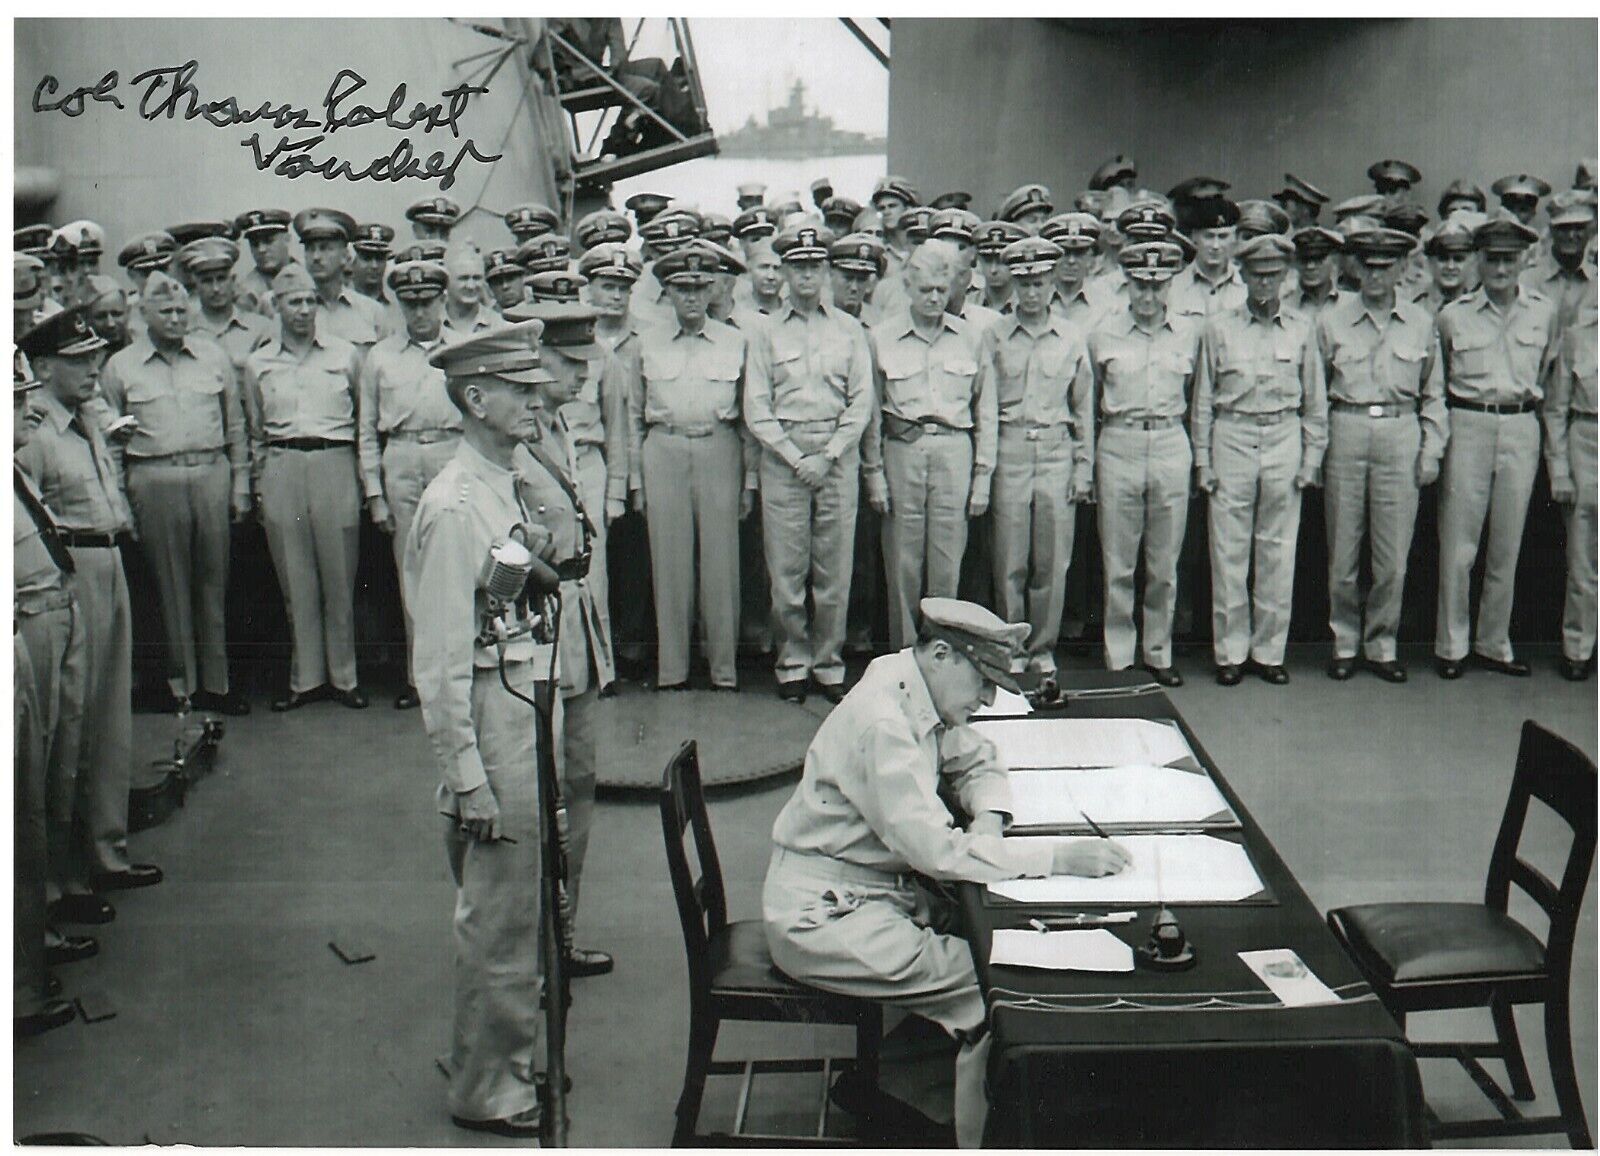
[506,571]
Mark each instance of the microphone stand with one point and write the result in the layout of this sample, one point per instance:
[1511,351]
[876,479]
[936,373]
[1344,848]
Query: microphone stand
[555,922]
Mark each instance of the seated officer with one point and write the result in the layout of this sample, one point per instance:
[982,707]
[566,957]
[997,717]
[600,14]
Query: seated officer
[842,906]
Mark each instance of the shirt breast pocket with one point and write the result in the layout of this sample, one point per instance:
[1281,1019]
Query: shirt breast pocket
[663,364]
[722,376]
[956,375]
[205,383]
[788,363]
[1472,354]
[1527,344]
[1407,363]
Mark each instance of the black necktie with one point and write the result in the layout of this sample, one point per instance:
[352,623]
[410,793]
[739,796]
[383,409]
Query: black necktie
[48,531]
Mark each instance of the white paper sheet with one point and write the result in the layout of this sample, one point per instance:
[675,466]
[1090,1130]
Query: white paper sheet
[1096,950]
[1005,703]
[1282,970]
[1164,869]
[1112,795]
[1026,744]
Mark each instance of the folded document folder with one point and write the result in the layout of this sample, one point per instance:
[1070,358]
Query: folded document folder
[1038,743]
[1122,800]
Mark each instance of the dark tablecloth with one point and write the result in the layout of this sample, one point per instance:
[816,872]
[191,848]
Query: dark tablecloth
[1199,1058]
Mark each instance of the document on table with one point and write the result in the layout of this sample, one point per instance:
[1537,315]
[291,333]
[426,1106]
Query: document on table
[1290,979]
[1036,743]
[1006,704]
[1117,798]
[1096,950]
[1164,869]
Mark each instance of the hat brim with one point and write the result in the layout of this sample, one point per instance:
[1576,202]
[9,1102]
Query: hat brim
[589,351]
[691,280]
[997,676]
[531,376]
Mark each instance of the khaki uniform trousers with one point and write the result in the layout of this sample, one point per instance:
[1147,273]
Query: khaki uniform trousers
[809,540]
[1489,467]
[29,855]
[311,504]
[183,517]
[692,487]
[56,649]
[1369,485]
[408,467]
[925,534]
[1142,482]
[860,932]
[105,744]
[1034,526]
[1578,616]
[1254,513]
[591,482]
[576,742]
[498,973]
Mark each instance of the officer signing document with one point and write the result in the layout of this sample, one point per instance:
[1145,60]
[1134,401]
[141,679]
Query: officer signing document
[843,907]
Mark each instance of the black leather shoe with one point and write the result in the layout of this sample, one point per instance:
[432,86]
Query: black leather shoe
[1574,671]
[1447,667]
[882,1118]
[1166,675]
[137,875]
[1513,668]
[81,909]
[56,1013]
[1341,669]
[672,686]
[524,1125]
[1228,674]
[609,690]
[352,698]
[1276,675]
[52,986]
[585,961]
[407,699]
[71,949]
[792,691]
[233,703]
[296,699]
[1388,671]
[832,691]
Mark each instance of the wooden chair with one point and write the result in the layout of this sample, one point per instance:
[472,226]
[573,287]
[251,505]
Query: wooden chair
[1435,956]
[731,977]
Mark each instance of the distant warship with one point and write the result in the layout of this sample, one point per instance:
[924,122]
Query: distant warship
[793,131]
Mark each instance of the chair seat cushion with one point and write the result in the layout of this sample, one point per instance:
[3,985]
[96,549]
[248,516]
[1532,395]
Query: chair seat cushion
[1414,942]
[740,962]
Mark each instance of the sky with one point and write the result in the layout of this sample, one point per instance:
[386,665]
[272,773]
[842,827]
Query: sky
[748,65]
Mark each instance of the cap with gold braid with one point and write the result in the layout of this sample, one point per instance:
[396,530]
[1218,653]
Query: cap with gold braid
[987,641]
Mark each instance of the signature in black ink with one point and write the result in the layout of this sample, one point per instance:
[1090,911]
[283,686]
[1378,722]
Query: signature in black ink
[171,92]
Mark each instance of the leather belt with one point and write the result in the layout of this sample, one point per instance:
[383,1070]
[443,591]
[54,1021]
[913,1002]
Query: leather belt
[692,430]
[422,437]
[307,445]
[1376,409]
[902,429]
[1504,410]
[1276,417]
[88,539]
[818,425]
[1583,415]
[1144,423]
[186,458]
[42,601]
[1035,432]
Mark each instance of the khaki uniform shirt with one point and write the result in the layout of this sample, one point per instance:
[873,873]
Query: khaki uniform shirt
[585,660]
[1254,366]
[1089,303]
[869,793]
[805,368]
[354,317]
[939,380]
[76,476]
[1141,373]
[469,506]
[1495,358]
[398,390]
[1192,295]
[34,570]
[1388,360]
[1567,289]
[598,417]
[482,318]
[1043,378]
[239,334]
[188,404]
[310,395]
[688,379]
[1572,390]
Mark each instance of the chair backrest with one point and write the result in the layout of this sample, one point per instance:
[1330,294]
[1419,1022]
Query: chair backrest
[702,902]
[1561,777]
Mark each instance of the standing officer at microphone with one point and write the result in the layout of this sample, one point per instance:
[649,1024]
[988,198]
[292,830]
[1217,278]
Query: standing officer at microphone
[482,736]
